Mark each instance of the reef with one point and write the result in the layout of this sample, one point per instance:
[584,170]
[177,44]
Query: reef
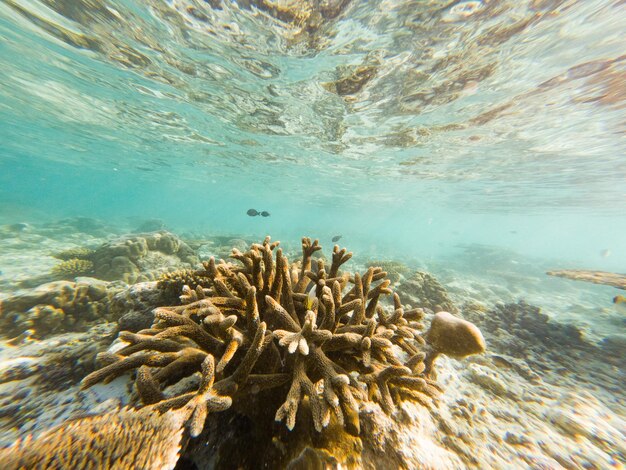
[521,331]
[172,283]
[56,307]
[596,277]
[395,270]
[424,290]
[142,257]
[271,341]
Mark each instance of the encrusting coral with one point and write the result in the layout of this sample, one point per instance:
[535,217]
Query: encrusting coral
[319,340]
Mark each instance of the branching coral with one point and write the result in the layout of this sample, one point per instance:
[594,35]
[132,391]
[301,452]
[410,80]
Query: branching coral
[319,338]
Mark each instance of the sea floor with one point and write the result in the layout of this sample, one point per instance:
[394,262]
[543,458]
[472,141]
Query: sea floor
[548,393]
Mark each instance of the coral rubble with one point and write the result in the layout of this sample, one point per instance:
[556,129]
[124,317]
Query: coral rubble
[274,341]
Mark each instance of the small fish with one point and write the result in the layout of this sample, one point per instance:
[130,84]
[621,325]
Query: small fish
[252,212]
[309,302]
[336,238]
[620,303]
[605,253]
[265,214]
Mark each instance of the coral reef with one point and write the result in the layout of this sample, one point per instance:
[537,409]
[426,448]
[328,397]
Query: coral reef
[395,270]
[140,258]
[55,307]
[124,439]
[274,341]
[596,277]
[172,283]
[72,268]
[424,290]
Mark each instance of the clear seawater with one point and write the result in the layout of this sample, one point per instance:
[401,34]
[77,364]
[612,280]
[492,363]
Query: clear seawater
[494,124]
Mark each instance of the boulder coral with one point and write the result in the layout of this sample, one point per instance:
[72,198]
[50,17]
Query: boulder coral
[268,338]
[136,258]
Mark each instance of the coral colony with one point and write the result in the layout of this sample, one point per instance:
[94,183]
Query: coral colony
[305,342]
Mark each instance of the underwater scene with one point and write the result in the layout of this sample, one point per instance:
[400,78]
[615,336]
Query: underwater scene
[316,234]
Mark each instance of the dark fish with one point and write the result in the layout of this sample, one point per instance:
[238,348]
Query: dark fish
[252,212]
[336,238]
[265,214]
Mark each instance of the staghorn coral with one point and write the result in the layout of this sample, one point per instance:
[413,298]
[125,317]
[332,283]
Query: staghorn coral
[125,439]
[71,268]
[279,339]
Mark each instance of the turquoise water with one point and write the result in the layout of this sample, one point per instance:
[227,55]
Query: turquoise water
[161,114]
[414,129]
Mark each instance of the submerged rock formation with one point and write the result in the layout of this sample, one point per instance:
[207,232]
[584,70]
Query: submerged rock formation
[269,341]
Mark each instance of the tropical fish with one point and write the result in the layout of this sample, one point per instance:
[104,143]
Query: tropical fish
[265,214]
[336,238]
[252,212]
[309,302]
[620,303]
